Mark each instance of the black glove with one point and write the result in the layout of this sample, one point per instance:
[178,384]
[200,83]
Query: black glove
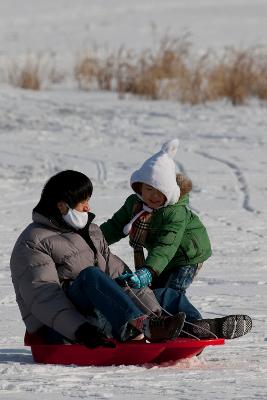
[90,336]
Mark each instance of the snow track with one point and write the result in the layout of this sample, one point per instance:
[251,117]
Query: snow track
[242,185]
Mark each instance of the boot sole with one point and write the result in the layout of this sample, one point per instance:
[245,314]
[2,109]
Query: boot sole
[229,327]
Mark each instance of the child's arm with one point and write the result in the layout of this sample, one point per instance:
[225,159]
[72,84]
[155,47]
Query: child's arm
[112,229]
[167,241]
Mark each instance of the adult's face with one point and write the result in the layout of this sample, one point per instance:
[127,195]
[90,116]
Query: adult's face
[82,206]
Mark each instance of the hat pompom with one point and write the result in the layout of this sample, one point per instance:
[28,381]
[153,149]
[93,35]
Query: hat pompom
[170,147]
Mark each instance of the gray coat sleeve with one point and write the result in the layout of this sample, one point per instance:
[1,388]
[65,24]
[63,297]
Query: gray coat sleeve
[114,265]
[35,276]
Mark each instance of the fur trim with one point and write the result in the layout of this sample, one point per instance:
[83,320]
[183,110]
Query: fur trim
[184,183]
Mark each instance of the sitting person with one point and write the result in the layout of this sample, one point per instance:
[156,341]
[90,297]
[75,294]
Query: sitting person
[63,275]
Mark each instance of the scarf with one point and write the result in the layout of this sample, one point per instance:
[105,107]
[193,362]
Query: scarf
[138,228]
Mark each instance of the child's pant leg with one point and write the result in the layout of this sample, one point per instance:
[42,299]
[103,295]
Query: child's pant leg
[171,290]
[174,301]
[181,278]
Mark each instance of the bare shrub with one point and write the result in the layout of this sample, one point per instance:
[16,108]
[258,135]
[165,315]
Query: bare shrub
[94,72]
[171,71]
[149,74]
[33,71]
[232,76]
[126,72]
[85,71]
[259,88]
[26,76]
[193,84]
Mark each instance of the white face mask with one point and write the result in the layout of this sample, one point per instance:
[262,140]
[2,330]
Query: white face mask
[76,219]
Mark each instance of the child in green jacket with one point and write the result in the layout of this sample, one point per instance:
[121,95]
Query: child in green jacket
[158,218]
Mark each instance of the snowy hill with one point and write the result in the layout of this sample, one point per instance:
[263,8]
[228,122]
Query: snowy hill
[223,150]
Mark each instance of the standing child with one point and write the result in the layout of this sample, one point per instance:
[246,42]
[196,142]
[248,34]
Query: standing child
[157,217]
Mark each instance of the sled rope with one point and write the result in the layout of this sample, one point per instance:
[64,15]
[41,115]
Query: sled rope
[143,304]
[171,315]
[201,328]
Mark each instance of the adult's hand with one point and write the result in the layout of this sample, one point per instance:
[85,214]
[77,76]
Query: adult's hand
[91,337]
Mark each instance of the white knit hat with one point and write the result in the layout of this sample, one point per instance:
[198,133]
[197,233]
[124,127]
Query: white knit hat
[159,171]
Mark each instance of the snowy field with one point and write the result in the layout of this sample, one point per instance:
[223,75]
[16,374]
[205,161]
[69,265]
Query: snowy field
[222,148]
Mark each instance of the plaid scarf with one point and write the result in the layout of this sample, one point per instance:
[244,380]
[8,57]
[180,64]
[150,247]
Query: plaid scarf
[138,233]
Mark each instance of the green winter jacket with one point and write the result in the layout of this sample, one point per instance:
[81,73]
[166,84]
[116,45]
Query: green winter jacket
[175,237]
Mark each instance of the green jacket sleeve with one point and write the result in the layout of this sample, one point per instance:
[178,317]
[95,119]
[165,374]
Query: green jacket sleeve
[112,229]
[166,243]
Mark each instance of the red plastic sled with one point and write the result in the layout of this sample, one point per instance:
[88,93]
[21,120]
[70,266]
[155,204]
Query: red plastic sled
[123,354]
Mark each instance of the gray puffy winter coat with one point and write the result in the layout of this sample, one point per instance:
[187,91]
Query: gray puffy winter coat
[45,255]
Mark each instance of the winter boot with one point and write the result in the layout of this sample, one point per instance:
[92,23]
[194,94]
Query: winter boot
[164,327]
[134,329]
[229,327]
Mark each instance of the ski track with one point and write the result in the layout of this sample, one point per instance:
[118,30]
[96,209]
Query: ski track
[243,187]
[101,171]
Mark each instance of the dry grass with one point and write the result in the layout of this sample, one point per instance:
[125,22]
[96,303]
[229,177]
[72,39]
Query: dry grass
[260,77]
[232,77]
[34,71]
[92,72]
[26,76]
[172,71]
[150,74]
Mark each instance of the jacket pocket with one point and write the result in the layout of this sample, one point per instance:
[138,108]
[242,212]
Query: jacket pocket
[191,246]
[166,237]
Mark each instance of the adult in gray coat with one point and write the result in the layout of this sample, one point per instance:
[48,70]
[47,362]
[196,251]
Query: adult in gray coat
[64,274]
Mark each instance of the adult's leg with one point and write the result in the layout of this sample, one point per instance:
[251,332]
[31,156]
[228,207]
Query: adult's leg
[94,289]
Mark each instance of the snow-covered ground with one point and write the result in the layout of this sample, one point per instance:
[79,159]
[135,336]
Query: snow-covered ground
[66,26]
[223,150]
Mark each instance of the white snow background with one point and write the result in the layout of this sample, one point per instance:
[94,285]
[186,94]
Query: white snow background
[223,150]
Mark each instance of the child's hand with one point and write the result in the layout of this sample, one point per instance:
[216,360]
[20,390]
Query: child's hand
[141,278]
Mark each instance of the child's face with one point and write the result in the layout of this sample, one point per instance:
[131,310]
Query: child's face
[151,196]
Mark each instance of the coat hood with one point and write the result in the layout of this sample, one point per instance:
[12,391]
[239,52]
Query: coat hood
[159,171]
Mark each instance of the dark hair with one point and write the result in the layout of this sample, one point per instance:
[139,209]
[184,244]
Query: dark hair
[137,187]
[68,186]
